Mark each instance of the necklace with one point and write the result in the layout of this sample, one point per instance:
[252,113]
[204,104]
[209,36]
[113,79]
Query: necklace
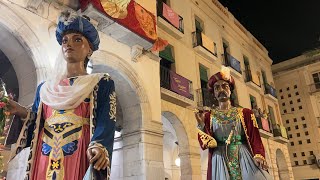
[227,117]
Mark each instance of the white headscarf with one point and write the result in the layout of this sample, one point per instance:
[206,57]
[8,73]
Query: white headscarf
[61,97]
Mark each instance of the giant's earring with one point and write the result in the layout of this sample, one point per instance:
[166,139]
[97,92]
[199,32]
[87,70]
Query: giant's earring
[89,54]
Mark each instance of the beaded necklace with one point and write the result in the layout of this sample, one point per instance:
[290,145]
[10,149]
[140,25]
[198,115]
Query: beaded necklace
[225,117]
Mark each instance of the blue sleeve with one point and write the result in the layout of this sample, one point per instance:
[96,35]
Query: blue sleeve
[105,115]
[36,101]
[34,110]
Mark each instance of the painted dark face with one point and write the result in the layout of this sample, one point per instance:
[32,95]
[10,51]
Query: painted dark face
[222,91]
[75,47]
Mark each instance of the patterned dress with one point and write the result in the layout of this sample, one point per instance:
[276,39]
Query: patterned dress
[64,135]
[233,161]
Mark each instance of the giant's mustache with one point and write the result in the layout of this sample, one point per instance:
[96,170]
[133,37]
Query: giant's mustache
[223,94]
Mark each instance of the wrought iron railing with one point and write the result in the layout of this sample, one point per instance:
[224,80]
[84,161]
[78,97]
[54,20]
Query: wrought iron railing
[160,13]
[279,130]
[315,87]
[205,98]
[232,62]
[270,90]
[165,81]
[197,41]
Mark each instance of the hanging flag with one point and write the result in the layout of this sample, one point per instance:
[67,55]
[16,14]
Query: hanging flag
[170,15]
[179,84]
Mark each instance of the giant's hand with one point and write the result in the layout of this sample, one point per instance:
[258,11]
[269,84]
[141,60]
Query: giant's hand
[98,158]
[261,163]
[199,117]
[16,109]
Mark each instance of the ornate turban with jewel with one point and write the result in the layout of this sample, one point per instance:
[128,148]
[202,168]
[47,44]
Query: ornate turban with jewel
[224,75]
[70,21]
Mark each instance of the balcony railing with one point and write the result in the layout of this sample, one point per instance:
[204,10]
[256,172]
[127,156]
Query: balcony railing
[279,131]
[248,77]
[264,124]
[205,98]
[200,39]
[175,83]
[314,87]
[163,11]
[270,90]
[232,62]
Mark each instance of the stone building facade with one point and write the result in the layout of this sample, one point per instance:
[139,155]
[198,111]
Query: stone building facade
[156,136]
[297,82]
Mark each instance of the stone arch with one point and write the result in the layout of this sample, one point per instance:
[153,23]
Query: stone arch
[23,49]
[132,109]
[183,141]
[282,166]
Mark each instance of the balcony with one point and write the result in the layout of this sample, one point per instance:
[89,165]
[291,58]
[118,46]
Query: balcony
[235,65]
[175,88]
[205,98]
[170,21]
[314,88]
[280,134]
[270,92]
[204,46]
[264,127]
[127,30]
[250,82]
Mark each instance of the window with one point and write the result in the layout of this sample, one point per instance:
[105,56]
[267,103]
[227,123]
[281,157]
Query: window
[297,93]
[289,129]
[300,142]
[304,161]
[289,95]
[294,154]
[285,111]
[311,153]
[295,86]
[306,133]
[294,119]
[303,154]
[313,161]
[287,121]
[292,143]
[297,127]
[308,141]
[300,107]
[288,88]
[298,134]
[304,125]
[281,97]
[302,118]
[280,90]
[291,102]
[298,100]
[283,104]
[292,109]
[296,163]
[203,77]
[316,79]
[167,58]
[290,135]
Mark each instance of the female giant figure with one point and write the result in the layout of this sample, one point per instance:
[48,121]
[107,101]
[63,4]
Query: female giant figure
[72,121]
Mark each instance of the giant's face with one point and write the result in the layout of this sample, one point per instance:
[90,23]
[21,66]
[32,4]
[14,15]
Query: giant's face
[222,91]
[75,47]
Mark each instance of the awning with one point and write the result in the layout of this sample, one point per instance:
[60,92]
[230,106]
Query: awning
[167,54]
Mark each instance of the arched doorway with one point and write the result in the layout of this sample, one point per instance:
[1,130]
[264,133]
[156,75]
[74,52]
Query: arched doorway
[132,110]
[282,165]
[176,146]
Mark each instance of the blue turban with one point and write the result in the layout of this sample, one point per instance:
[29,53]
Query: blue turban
[69,21]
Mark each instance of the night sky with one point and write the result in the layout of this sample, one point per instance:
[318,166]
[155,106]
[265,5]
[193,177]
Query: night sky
[286,28]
